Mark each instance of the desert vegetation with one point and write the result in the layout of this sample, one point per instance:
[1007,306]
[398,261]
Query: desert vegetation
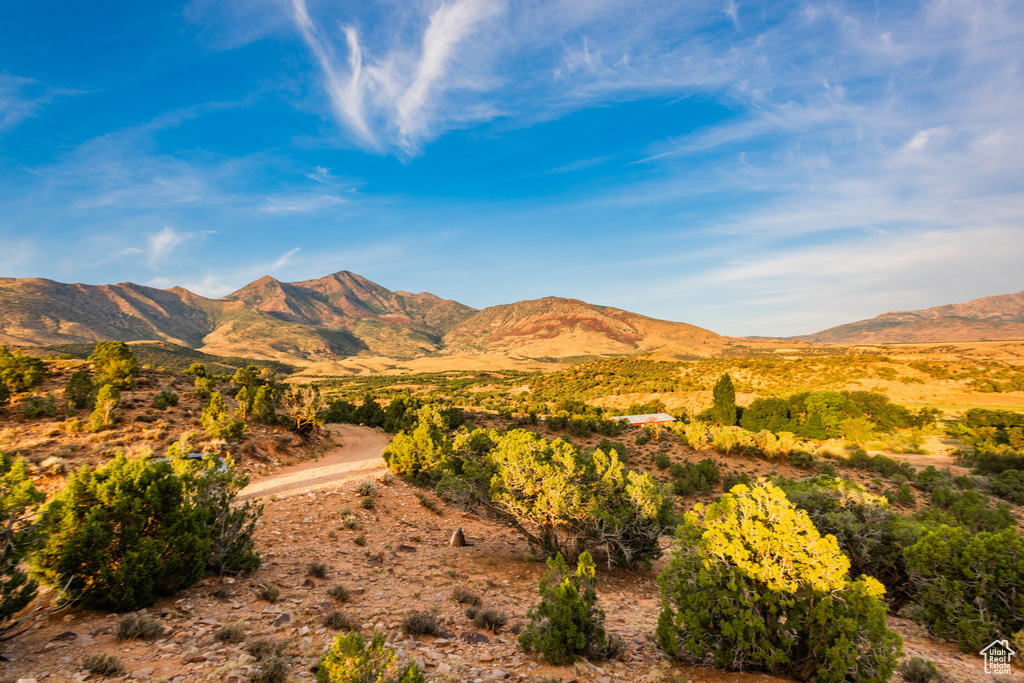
[786,521]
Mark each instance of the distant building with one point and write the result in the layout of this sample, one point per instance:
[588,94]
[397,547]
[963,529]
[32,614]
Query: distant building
[641,420]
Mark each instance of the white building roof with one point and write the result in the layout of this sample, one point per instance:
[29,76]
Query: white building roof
[645,419]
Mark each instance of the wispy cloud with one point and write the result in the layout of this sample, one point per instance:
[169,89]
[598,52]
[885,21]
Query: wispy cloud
[304,203]
[22,98]
[395,98]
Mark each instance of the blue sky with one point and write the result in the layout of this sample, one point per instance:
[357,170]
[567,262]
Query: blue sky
[754,168]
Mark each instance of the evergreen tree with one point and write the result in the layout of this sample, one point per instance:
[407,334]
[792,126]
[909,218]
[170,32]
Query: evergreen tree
[218,422]
[724,394]
[19,534]
[114,363]
[567,623]
[123,535]
[104,415]
[79,391]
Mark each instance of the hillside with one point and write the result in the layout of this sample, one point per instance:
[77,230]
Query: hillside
[991,318]
[340,316]
[555,327]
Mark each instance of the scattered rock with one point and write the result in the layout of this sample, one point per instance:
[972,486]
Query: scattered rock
[474,637]
[67,635]
[409,549]
[458,539]
[283,619]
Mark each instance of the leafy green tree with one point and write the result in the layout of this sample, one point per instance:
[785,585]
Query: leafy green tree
[969,584]
[114,363]
[753,585]
[104,415]
[123,535]
[19,535]
[5,394]
[218,422]
[351,660]
[79,391]
[723,411]
[567,623]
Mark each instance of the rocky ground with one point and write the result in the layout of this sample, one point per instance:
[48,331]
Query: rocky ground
[394,559]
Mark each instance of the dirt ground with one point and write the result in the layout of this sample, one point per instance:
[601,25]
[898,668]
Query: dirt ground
[396,559]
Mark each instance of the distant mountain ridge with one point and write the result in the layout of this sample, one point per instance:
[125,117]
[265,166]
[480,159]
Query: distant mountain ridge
[337,316]
[990,318]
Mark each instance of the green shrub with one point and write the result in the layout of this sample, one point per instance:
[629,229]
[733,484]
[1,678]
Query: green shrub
[662,461]
[904,496]
[262,648]
[232,633]
[421,624]
[867,530]
[969,584]
[1009,484]
[103,665]
[567,623]
[743,567]
[702,476]
[231,526]
[607,445]
[269,593]
[464,596]
[19,536]
[125,534]
[272,669]
[340,621]
[339,593]
[366,488]
[491,619]
[351,660]
[19,372]
[318,570]
[79,391]
[969,509]
[165,398]
[36,406]
[931,478]
[135,627]
[430,504]
[104,415]
[917,670]
[114,363]
[730,479]
[426,452]
[218,422]
[368,503]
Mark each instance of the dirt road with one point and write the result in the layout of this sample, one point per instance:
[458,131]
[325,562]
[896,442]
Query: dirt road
[359,455]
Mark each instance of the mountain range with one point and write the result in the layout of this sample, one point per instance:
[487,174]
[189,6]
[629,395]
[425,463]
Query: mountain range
[990,318]
[337,316]
[343,316]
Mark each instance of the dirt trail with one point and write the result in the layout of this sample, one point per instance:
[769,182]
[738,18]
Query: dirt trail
[359,455]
